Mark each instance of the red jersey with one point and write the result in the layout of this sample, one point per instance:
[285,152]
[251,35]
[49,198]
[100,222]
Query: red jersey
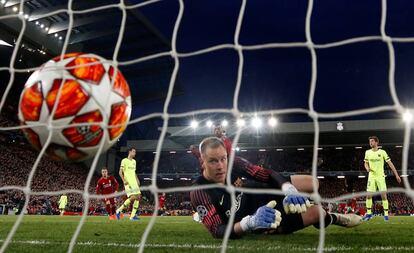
[353,203]
[107,185]
[227,143]
[161,201]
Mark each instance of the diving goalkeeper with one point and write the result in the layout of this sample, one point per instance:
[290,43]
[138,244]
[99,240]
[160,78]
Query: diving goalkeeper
[255,212]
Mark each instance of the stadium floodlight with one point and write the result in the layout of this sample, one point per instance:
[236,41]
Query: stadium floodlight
[340,176]
[60,38]
[407,116]
[237,149]
[56,35]
[15,9]
[404,175]
[338,148]
[361,176]
[224,123]
[188,151]
[194,124]
[209,123]
[37,23]
[320,177]
[300,149]
[2,42]
[172,152]
[240,122]
[42,26]
[3,1]
[256,122]
[272,122]
[358,147]
[46,28]
[279,149]
[26,16]
[243,150]
[262,150]
[320,148]
[398,146]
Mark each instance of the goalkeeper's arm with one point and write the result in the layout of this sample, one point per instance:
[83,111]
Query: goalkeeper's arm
[265,217]
[293,203]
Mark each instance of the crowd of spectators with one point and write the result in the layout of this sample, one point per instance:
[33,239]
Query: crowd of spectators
[16,162]
[17,159]
[400,203]
[288,160]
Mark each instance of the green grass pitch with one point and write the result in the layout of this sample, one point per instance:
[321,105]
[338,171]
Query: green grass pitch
[181,234]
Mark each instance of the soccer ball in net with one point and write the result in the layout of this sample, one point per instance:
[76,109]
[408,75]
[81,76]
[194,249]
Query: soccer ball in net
[86,90]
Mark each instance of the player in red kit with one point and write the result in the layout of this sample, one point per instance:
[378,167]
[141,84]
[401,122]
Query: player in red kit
[107,185]
[220,133]
[161,201]
[352,206]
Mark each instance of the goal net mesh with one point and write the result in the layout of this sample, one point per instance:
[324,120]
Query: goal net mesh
[234,111]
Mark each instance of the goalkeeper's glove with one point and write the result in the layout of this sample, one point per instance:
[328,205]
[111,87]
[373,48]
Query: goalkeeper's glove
[264,217]
[294,203]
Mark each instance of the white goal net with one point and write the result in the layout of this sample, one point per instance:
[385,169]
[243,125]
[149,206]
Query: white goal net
[234,111]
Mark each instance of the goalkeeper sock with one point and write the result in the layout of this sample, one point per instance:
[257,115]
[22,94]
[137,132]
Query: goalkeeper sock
[369,205]
[134,208]
[385,205]
[330,218]
[124,205]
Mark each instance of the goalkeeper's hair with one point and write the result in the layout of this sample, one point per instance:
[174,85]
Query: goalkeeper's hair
[375,138]
[210,142]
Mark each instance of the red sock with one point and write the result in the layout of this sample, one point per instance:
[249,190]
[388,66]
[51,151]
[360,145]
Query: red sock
[108,209]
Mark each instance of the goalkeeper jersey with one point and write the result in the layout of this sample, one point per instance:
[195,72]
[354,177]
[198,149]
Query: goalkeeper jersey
[128,167]
[213,205]
[376,160]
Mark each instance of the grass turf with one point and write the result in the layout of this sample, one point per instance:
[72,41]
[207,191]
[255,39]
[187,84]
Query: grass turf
[181,234]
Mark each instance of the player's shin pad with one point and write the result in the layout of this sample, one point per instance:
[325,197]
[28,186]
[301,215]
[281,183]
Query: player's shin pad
[265,217]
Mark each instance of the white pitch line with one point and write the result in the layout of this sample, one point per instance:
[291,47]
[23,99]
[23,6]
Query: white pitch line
[218,246]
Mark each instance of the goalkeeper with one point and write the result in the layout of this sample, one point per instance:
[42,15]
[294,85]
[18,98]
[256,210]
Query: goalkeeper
[255,212]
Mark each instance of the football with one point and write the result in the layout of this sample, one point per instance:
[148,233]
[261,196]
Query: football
[75,99]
